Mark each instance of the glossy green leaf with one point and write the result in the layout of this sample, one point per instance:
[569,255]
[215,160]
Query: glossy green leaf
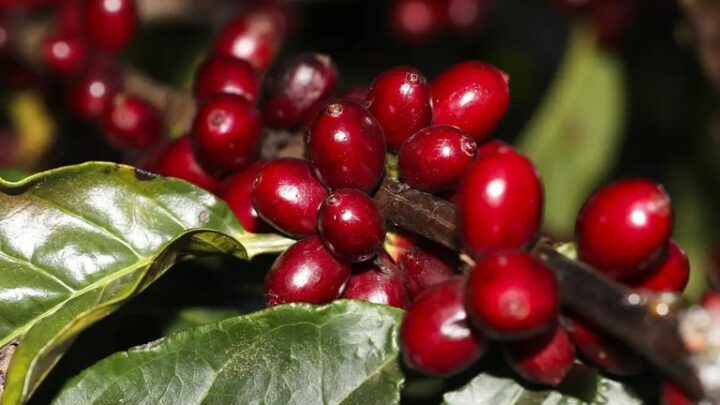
[574,136]
[487,389]
[342,353]
[77,242]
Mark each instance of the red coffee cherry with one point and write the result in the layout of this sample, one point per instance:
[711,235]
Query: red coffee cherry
[435,337]
[424,267]
[346,146]
[255,36]
[373,284]
[399,98]
[297,88]
[133,123]
[178,160]
[416,20]
[110,24]
[670,274]
[500,202]
[472,96]
[287,196]
[466,17]
[511,295]
[306,272]
[544,359]
[225,74]
[64,53]
[671,394]
[624,226]
[612,19]
[603,350]
[351,225]
[435,158]
[226,133]
[91,91]
[236,191]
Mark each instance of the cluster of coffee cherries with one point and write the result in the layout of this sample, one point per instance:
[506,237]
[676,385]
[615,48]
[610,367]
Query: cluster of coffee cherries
[418,20]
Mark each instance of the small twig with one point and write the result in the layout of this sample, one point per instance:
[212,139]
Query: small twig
[6,354]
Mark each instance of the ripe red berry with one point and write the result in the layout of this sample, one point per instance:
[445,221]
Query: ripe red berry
[373,284]
[288,196]
[399,98]
[544,359]
[511,295]
[64,53]
[671,394]
[178,160]
[236,191]
[624,226]
[110,24]
[500,202]
[91,91]
[612,19]
[467,16]
[435,337]
[416,20]
[255,36]
[225,74]
[472,96]
[670,274]
[226,132]
[602,350]
[351,226]
[346,146]
[131,122]
[435,158]
[424,267]
[306,272]
[299,86]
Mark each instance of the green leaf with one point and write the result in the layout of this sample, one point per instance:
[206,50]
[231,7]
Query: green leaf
[342,353]
[487,389]
[574,135]
[78,242]
[197,316]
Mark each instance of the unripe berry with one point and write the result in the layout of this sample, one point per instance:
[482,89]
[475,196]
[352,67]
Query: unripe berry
[544,359]
[399,99]
[131,122]
[236,191]
[226,133]
[306,272]
[296,89]
[472,96]
[424,267]
[287,196]
[351,225]
[346,146]
[435,337]
[178,160]
[225,74]
[373,284]
[511,295]
[110,24]
[603,350]
[623,227]
[435,158]
[500,202]
[670,274]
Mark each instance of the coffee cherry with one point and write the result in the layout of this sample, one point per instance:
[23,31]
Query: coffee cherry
[375,285]
[131,122]
[91,91]
[424,267]
[511,295]
[110,24]
[500,202]
[435,158]
[64,53]
[225,74]
[306,272]
[670,274]
[346,146]
[435,337]
[399,98]
[623,227]
[603,350]
[671,394]
[416,20]
[226,133]
[287,196]
[612,20]
[466,17]
[178,160]
[255,36]
[351,226]
[472,96]
[544,359]
[236,191]
[293,92]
